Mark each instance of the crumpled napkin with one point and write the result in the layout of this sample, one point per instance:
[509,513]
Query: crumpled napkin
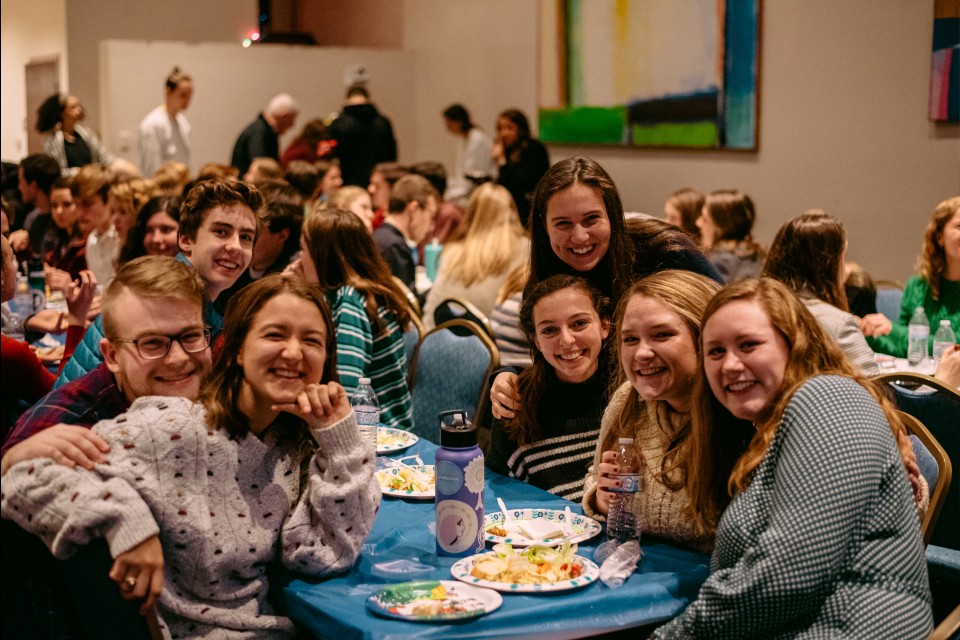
[618,561]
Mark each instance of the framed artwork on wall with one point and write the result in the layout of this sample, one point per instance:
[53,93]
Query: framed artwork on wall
[945,62]
[650,73]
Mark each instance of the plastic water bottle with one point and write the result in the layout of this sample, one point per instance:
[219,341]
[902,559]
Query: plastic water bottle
[459,487]
[431,255]
[918,332]
[367,407]
[622,523]
[944,339]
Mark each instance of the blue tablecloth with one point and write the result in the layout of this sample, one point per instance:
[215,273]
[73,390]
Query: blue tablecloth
[667,580]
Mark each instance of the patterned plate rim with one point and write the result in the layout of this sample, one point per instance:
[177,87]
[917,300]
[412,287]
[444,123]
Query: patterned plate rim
[590,527]
[410,439]
[493,601]
[398,493]
[461,571]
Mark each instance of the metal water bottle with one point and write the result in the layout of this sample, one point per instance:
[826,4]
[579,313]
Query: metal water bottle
[459,487]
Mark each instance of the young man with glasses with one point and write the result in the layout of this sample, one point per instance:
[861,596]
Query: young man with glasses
[155,344]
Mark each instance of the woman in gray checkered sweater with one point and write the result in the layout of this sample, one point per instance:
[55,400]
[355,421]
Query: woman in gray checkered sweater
[820,538]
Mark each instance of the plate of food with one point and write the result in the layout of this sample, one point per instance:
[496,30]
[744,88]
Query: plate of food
[525,527]
[394,440]
[434,601]
[408,481]
[535,569]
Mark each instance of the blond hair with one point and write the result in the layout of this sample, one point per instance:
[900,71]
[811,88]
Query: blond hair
[487,241]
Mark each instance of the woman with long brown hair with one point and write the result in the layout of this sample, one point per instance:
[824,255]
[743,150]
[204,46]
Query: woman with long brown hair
[522,159]
[726,223]
[794,459]
[369,311]
[562,394]
[808,255]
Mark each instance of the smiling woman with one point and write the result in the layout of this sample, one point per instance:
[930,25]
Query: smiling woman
[193,495]
[563,393]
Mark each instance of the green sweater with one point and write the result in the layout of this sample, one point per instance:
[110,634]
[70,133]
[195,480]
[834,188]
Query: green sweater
[917,294]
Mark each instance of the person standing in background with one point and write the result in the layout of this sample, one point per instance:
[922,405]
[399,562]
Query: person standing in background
[64,140]
[165,131]
[474,162]
[364,137]
[261,138]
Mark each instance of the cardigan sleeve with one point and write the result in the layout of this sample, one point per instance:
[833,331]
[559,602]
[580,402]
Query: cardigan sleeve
[833,455]
[851,342]
[325,531]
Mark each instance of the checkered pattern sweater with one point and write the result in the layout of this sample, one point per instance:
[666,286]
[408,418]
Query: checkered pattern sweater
[225,509]
[824,543]
[361,354]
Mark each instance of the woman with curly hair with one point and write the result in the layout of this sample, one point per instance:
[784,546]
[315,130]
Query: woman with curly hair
[794,460]
[936,287]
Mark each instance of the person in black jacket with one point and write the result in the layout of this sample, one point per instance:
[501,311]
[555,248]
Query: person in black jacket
[523,159]
[364,137]
[261,138]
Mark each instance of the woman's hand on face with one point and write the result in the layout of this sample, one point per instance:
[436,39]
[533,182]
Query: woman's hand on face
[949,368]
[321,405]
[19,240]
[504,397]
[607,468]
[875,324]
[139,573]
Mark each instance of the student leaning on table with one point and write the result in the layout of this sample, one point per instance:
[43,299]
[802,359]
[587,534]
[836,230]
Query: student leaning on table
[232,484]
[658,335]
[794,459]
[936,288]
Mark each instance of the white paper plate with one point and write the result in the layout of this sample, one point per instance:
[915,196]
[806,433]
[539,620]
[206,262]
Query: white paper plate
[583,527]
[385,475]
[412,601]
[393,440]
[461,571]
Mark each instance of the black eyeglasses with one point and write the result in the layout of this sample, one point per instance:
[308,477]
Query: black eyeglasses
[156,347]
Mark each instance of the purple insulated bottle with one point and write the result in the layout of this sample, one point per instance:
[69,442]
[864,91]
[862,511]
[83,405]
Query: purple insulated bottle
[459,487]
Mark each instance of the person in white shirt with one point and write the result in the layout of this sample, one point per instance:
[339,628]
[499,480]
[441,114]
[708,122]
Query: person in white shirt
[474,161]
[165,131]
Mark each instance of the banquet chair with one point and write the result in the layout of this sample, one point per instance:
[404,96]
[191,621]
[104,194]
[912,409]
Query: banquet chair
[450,371]
[949,629]
[410,296]
[411,336]
[889,295]
[938,482]
[454,308]
[937,406]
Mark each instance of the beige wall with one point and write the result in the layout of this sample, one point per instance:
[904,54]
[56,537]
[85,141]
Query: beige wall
[28,31]
[843,106]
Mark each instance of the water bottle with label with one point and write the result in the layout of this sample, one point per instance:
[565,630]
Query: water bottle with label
[622,523]
[367,408]
[918,334]
[459,487]
[943,340]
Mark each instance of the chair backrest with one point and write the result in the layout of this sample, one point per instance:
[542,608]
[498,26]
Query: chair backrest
[410,296]
[458,308]
[888,302]
[411,336]
[948,628]
[940,486]
[938,408]
[450,372]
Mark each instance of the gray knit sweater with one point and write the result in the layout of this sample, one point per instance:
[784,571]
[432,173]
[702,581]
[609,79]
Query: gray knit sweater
[824,543]
[224,508]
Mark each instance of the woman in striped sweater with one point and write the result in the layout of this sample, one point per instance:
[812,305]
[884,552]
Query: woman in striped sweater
[369,310]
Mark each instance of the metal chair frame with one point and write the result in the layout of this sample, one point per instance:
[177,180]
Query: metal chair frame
[939,495]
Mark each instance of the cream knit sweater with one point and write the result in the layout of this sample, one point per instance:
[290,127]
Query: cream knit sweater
[664,512]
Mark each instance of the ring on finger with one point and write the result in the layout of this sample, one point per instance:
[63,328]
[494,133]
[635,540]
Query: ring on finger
[129,583]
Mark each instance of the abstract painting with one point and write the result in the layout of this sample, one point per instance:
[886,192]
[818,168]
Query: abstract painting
[945,63]
[649,73]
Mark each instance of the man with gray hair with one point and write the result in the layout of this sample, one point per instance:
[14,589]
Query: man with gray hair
[261,139]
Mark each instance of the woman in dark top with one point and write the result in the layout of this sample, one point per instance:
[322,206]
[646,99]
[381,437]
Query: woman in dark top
[550,441]
[70,144]
[523,160]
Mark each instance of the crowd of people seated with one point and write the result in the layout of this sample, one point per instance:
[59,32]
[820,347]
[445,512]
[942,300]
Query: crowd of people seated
[217,324]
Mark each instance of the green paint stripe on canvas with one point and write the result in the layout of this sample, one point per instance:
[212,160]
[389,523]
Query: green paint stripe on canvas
[696,134]
[595,125]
